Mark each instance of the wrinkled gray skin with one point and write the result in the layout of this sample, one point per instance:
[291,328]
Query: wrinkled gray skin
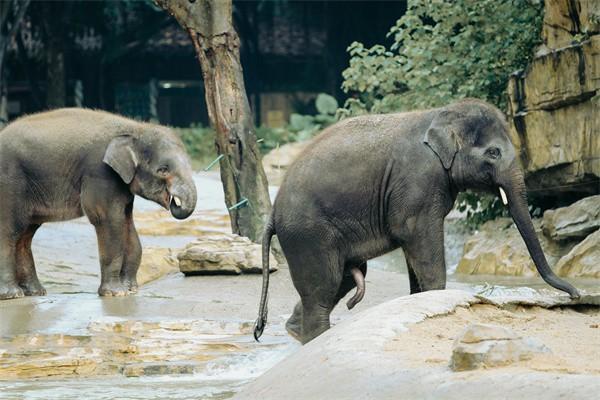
[67,163]
[371,184]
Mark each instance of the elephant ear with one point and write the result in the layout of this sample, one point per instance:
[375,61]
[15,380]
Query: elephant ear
[121,157]
[441,137]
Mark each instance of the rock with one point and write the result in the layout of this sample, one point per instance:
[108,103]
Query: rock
[278,160]
[485,346]
[583,260]
[550,81]
[573,222]
[400,350]
[222,254]
[114,346]
[565,18]
[499,249]
[555,118]
[554,161]
[156,263]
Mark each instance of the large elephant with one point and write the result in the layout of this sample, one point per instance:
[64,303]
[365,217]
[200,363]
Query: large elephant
[64,164]
[371,184]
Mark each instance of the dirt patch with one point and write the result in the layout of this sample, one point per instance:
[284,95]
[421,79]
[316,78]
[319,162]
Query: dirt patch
[571,333]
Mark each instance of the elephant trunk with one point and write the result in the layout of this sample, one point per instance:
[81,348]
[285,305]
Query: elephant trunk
[515,195]
[183,197]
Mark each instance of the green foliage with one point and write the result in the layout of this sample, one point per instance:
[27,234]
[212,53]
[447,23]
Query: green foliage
[444,50]
[480,208]
[301,127]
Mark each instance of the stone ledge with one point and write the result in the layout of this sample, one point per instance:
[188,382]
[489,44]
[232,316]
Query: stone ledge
[373,356]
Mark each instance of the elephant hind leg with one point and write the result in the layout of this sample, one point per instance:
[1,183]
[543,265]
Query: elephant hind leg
[315,319]
[10,232]
[26,274]
[9,288]
[309,320]
[294,323]
[317,276]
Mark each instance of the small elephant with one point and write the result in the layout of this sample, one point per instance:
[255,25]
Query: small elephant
[370,184]
[63,164]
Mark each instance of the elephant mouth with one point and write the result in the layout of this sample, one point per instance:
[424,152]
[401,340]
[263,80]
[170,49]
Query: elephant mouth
[168,200]
[175,201]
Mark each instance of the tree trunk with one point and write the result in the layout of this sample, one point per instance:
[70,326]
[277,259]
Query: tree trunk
[54,32]
[56,86]
[209,24]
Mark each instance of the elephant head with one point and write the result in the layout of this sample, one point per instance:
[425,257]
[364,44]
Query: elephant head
[471,140]
[156,167]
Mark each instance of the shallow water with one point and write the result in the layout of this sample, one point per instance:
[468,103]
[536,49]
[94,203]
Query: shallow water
[220,380]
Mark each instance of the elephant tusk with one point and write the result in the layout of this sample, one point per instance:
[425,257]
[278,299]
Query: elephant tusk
[503,196]
[177,201]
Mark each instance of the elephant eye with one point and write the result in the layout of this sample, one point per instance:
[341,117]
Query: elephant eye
[493,152]
[163,170]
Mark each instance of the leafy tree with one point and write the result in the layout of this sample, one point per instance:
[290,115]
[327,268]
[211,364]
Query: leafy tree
[444,50]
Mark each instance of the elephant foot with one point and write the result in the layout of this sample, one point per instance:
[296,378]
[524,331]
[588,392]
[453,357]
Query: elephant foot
[294,332]
[113,289]
[8,292]
[130,284]
[33,288]
[292,326]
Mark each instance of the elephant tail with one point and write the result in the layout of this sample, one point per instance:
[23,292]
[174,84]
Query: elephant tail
[263,311]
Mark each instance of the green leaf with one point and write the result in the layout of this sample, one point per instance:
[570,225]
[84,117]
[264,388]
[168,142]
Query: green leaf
[300,122]
[326,104]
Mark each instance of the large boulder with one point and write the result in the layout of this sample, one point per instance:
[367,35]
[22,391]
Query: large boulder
[573,222]
[555,119]
[400,349]
[498,249]
[222,254]
[156,263]
[487,346]
[584,260]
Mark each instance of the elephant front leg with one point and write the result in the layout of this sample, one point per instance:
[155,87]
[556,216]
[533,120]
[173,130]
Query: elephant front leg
[425,257]
[132,257]
[112,256]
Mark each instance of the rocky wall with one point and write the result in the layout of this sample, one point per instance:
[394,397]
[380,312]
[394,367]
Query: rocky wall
[554,105]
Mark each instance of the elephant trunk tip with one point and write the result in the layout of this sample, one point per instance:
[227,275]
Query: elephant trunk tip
[180,211]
